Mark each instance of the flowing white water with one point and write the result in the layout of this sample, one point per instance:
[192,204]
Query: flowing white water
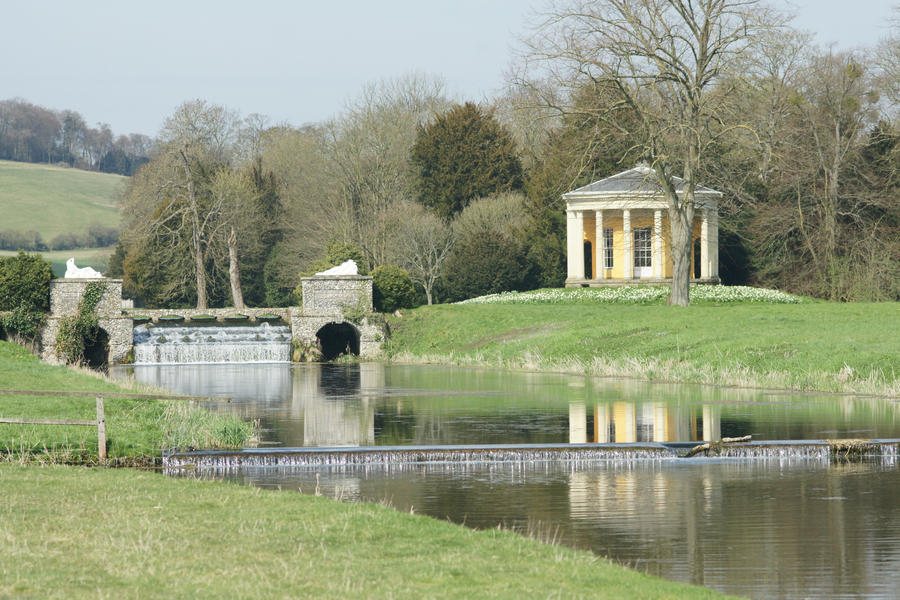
[184,343]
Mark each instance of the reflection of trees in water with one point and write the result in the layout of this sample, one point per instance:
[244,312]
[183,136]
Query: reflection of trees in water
[368,403]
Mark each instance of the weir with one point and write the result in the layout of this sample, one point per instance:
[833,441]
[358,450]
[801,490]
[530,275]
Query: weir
[198,342]
[819,450]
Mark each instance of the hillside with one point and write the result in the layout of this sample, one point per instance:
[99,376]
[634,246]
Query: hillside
[53,200]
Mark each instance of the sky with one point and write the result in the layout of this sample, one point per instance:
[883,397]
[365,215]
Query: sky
[130,64]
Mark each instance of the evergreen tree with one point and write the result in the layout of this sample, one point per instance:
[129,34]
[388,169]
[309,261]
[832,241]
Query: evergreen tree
[464,154]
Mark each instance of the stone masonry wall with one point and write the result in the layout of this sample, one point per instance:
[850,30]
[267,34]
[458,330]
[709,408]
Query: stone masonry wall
[324,299]
[329,294]
[65,294]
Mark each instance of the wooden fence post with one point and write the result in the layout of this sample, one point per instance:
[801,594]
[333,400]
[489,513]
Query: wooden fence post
[101,430]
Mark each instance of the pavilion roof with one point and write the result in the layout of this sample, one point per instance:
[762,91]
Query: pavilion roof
[640,180]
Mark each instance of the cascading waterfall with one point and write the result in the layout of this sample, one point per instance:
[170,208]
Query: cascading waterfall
[184,343]
[228,460]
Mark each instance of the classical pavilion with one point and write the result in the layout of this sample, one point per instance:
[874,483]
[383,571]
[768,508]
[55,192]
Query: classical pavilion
[618,232]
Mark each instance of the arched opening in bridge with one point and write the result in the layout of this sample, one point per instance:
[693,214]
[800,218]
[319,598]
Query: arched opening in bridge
[96,353]
[335,339]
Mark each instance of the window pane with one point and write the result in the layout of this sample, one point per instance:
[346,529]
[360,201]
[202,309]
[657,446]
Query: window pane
[642,249]
[608,247]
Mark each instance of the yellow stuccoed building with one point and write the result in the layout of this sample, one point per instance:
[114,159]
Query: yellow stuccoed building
[618,232]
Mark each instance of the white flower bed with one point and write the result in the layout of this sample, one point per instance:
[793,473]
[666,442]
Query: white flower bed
[636,295]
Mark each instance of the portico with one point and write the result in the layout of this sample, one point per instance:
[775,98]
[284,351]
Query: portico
[618,232]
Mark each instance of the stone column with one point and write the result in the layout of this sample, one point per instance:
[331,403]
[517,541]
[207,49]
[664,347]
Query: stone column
[714,242]
[657,244]
[599,250]
[628,264]
[575,245]
[704,245]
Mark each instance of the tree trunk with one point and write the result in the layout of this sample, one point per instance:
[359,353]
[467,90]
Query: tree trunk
[197,250]
[682,226]
[233,272]
[196,241]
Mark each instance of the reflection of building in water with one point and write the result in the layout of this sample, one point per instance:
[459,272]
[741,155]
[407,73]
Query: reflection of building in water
[628,422]
[333,412]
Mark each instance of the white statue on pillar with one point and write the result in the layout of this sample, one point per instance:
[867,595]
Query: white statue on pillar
[74,272]
[345,268]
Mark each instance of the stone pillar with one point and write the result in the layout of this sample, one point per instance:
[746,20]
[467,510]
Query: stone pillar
[657,244]
[599,255]
[628,264]
[704,245]
[575,245]
[713,243]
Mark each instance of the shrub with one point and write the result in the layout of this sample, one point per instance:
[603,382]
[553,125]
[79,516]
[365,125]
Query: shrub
[25,282]
[22,320]
[79,331]
[392,288]
[485,265]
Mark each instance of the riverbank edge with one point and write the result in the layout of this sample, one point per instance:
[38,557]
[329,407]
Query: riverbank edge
[658,372]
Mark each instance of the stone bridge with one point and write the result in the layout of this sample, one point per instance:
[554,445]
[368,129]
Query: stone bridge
[323,322]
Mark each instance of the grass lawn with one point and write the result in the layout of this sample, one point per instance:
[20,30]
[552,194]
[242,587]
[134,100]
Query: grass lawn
[72,532]
[84,257]
[136,429]
[807,346]
[54,200]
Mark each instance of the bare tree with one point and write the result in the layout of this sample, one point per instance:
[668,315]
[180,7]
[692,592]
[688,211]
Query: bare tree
[368,149]
[421,244]
[835,103]
[232,198]
[196,141]
[661,68]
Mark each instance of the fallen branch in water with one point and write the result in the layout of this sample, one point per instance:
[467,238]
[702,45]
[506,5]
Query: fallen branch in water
[706,447]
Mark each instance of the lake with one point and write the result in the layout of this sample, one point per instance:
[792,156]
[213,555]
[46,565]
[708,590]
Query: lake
[789,527]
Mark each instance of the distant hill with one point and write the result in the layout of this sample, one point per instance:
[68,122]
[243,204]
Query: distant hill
[53,200]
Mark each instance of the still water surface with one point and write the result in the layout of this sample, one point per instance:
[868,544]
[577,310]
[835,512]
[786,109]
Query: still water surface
[759,528]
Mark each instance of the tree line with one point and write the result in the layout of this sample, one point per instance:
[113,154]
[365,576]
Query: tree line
[466,197]
[96,236]
[32,133]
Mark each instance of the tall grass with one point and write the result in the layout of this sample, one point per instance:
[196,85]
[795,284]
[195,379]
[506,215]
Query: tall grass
[137,429]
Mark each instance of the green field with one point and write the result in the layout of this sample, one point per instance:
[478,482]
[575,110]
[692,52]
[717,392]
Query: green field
[84,257]
[70,532]
[54,200]
[806,346]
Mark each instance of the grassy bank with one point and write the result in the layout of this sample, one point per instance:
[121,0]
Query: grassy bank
[135,534]
[806,346]
[137,429]
[53,200]
[97,258]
